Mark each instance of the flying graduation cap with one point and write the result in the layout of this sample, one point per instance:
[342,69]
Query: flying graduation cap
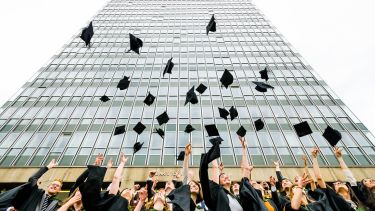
[160,132]
[163,118]
[123,83]
[119,130]
[87,34]
[180,197]
[149,99]
[233,113]
[168,68]
[262,87]
[216,140]
[241,131]
[212,130]
[201,88]
[104,98]
[211,27]
[189,128]
[226,79]
[137,146]
[139,128]
[223,113]
[191,97]
[135,43]
[259,124]
[181,156]
[264,74]
[302,129]
[332,136]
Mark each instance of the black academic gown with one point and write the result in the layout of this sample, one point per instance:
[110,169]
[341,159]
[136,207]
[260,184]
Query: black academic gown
[27,196]
[250,197]
[93,199]
[80,180]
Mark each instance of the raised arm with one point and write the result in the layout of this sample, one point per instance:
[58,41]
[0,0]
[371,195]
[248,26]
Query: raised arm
[215,171]
[185,165]
[349,175]
[275,195]
[142,194]
[246,171]
[115,185]
[34,178]
[318,175]
[297,197]
[306,171]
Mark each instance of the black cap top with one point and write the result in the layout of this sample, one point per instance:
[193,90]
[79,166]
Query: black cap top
[139,128]
[227,78]
[212,130]
[259,124]
[160,132]
[135,43]
[264,74]
[241,131]
[180,197]
[333,136]
[302,129]
[201,88]
[223,113]
[123,83]
[137,146]
[149,99]
[104,98]
[181,156]
[216,140]
[189,128]
[211,27]
[168,68]
[119,130]
[212,154]
[233,113]
[163,118]
[262,87]
[191,97]
[87,34]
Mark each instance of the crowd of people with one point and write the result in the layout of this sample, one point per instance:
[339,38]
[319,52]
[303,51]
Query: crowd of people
[214,191]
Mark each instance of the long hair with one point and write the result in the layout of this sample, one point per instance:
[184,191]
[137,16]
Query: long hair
[200,194]
[367,194]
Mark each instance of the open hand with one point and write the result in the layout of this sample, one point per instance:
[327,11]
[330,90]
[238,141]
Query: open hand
[52,164]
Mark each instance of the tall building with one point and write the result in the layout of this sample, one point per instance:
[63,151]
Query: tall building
[57,114]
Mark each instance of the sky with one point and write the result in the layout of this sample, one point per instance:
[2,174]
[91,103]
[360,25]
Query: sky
[336,37]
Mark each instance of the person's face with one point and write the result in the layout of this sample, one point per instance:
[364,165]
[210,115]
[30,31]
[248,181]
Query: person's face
[236,187]
[339,186]
[286,183]
[169,185]
[194,187]
[127,194]
[265,185]
[224,180]
[54,188]
[369,183]
[159,197]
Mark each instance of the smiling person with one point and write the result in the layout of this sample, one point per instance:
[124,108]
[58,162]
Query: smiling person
[30,197]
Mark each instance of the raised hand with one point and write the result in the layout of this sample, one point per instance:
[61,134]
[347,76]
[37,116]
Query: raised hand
[152,173]
[99,159]
[314,152]
[110,163]
[221,167]
[338,152]
[304,158]
[123,158]
[187,149]
[243,141]
[52,164]
[276,163]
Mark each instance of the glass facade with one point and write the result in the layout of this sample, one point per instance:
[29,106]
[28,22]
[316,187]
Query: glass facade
[58,114]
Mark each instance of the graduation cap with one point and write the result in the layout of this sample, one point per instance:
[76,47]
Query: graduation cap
[227,78]
[123,83]
[191,97]
[332,136]
[216,140]
[233,113]
[181,156]
[212,130]
[149,99]
[211,27]
[201,88]
[104,98]
[302,129]
[163,118]
[135,43]
[189,128]
[223,113]
[87,34]
[264,74]
[139,128]
[119,130]
[259,124]
[168,68]
[212,154]
[137,146]
[262,87]
[160,132]
[180,197]
[241,131]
